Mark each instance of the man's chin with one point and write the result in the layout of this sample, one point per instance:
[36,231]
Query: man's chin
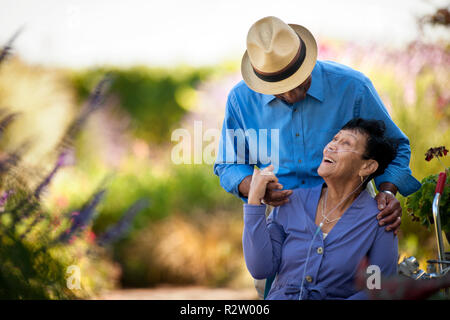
[298,99]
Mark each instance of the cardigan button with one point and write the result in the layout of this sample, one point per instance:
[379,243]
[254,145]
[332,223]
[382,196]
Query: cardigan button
[308,278]
[319,250]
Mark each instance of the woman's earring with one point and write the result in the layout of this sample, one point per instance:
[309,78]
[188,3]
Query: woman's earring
[362,179]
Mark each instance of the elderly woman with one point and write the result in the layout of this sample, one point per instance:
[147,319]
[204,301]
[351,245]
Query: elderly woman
[315,242]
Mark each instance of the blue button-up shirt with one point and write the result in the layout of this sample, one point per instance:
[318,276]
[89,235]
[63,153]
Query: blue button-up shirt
[292,137]
[280,245]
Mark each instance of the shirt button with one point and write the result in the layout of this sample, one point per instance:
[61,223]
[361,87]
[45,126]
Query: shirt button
[299,161]
[308,278]
[297,134]
[319,250]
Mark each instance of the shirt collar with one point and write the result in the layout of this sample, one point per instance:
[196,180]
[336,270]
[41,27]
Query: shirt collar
[316,89]
[267,98]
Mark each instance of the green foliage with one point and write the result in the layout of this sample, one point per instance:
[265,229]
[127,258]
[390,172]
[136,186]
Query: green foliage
[196,188]
[421,120]
[193,194]
[184,189]
[128,187]
[419,204]
[38,245]
[150,96]
[29,272]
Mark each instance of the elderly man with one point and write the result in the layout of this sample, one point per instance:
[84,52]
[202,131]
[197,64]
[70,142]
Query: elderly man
[303,103]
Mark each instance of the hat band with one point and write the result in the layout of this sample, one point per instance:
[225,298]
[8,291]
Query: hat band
[287,71]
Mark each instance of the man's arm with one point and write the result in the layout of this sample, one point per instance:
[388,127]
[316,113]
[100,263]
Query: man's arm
[232,163]
[226,167]
[397,176]
[398,173]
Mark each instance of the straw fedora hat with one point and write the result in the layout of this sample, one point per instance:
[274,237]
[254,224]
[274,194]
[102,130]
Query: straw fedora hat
[279,56]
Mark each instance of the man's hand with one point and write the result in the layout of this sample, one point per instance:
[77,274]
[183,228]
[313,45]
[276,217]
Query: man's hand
[390,209]
[273,196]
[276,197]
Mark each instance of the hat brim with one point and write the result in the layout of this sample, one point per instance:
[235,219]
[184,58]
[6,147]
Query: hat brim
[258,85]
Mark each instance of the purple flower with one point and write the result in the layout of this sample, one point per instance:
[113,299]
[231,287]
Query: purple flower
[80,219]
[5,196]
[94,102]
[64,158]
[120,228]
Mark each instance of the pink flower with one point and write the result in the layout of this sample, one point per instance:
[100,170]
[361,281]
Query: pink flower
[72,239]
[62,201]
[90,236]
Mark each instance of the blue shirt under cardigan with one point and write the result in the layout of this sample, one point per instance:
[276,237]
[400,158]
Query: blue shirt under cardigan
[280,244]
[337,94]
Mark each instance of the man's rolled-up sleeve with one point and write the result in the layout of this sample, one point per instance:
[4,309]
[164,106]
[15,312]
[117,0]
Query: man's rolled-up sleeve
[232,162]
[231,175]
[398,172]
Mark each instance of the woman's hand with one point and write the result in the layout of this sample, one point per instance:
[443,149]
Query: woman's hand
[258,185]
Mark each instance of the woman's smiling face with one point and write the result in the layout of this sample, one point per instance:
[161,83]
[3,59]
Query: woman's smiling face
[342,156]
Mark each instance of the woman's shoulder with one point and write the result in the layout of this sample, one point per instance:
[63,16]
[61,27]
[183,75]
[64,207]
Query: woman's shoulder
[369,203]
[368,207]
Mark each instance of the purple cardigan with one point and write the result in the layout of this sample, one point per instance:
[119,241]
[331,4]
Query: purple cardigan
[279,246]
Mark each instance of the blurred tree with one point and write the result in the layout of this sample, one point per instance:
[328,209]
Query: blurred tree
[150,96]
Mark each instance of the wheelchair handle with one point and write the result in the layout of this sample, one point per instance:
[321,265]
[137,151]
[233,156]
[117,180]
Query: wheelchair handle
[441,182]
[437,219]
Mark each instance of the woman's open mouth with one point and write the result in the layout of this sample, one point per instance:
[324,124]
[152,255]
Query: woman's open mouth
[328,160]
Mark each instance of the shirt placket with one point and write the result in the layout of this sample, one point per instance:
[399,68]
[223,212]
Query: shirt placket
[316,256]
[297,146]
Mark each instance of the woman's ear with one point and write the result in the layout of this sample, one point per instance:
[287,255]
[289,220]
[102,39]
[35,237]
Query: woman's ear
[369,167]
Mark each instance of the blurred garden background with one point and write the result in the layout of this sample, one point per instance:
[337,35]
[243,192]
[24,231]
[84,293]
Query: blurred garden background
[86,165]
